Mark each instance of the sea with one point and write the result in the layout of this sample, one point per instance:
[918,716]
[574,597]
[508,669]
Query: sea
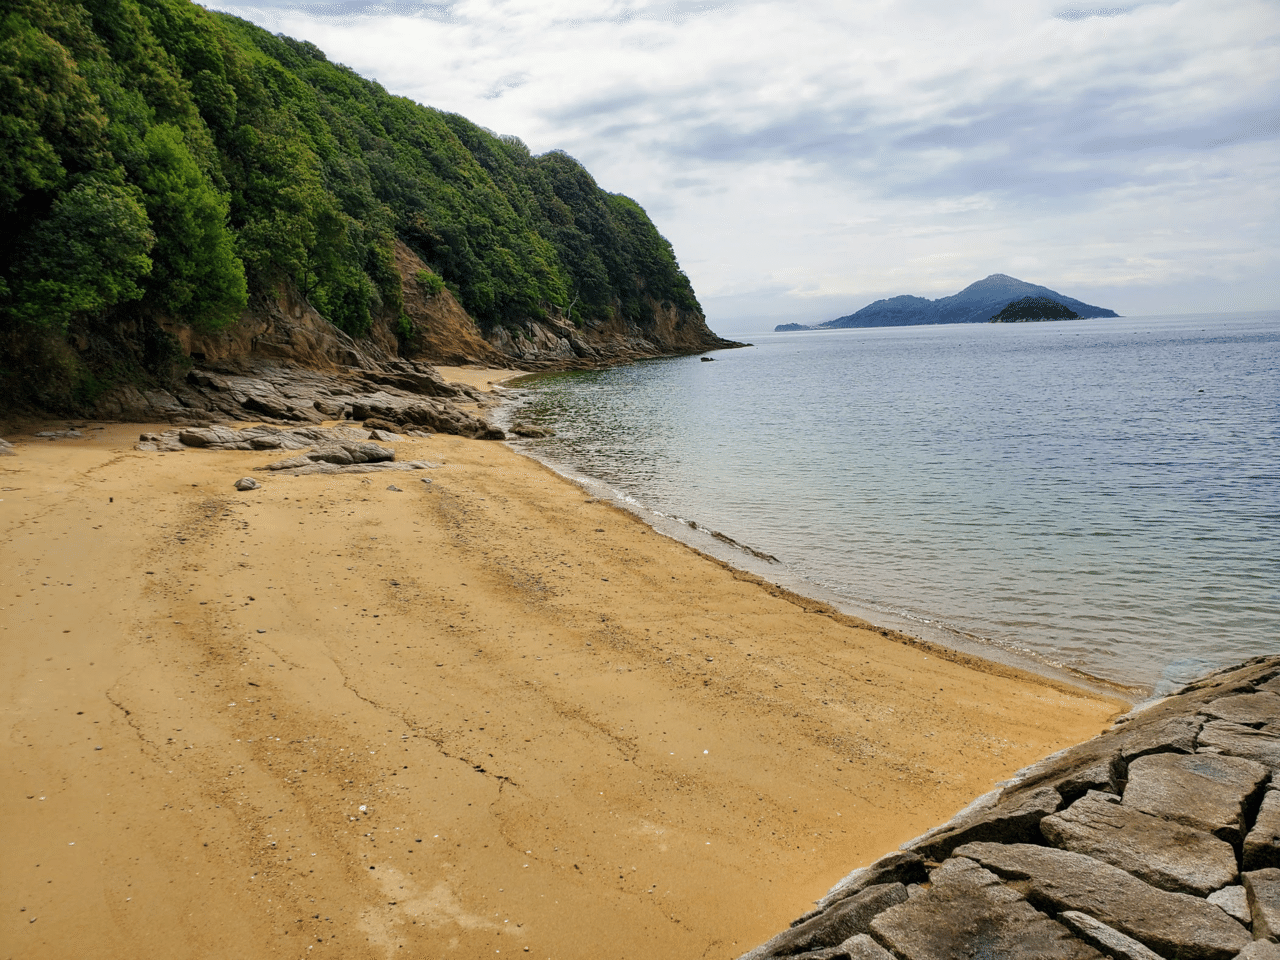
[1094,497]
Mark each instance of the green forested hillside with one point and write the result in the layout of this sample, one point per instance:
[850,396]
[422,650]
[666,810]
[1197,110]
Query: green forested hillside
[158,157]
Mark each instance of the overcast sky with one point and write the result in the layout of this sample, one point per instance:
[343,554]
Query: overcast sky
[807,157]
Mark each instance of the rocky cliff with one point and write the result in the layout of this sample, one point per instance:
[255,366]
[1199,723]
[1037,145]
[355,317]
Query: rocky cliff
[186,190]
[281,362]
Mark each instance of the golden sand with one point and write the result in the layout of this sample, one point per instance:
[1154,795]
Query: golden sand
[481,715]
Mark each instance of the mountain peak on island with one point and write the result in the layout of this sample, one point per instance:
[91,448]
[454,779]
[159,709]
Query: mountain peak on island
[976,303]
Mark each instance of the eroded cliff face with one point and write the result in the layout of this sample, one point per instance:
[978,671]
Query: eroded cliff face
[444,333]
[282,362]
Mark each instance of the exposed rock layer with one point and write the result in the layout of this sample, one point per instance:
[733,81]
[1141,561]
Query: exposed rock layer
[282,362]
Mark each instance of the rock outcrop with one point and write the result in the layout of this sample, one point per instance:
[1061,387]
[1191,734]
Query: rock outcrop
[323,449]
[402,394]
[1156,839]
[282,362]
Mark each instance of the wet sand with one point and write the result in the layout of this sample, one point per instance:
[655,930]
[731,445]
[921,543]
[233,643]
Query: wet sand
[481,715]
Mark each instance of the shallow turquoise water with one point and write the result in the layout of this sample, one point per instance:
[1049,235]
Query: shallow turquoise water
[1100,494]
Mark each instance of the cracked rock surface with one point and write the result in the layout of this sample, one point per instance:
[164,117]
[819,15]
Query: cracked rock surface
[1157,839]
[402,394]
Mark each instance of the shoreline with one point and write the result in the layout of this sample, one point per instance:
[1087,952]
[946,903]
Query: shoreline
[743,557]
[370,703]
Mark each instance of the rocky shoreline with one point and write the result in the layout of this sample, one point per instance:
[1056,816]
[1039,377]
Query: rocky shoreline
[1160,838]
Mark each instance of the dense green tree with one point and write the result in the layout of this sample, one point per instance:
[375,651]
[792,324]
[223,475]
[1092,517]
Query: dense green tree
[198,276]
[159,157]
[88,254]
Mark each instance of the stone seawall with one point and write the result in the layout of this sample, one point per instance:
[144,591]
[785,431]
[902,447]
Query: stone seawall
[1160,838]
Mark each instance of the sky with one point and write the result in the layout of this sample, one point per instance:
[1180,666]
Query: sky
[807,157]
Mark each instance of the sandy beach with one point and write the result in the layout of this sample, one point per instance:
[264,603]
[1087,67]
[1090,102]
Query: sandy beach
[481,715]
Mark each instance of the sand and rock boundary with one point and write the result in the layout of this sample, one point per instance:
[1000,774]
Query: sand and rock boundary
[1160,838]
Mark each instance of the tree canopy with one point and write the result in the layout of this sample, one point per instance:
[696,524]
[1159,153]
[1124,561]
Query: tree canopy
[156,155]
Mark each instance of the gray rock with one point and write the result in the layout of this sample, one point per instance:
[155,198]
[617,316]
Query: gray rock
[1166,855]
[862,947]
[1015,821]
[1263,890]
[1250,709]
[1113,943]
[392,487]
[1173,924]
[1260,950]
[830,928]
[278,441]
[385,436]
[1203,791]
[1174,735]
[1234,902]
[247,483]
[209,436]
[292,463]
[1100,776]
[968,912]
[898,867]
[6,449]
[1262,845]
[1241,741]
[351,451]
[301,467]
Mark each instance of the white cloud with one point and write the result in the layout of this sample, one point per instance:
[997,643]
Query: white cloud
[810,155]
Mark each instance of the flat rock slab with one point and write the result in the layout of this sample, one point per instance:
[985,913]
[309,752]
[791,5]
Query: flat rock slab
[1204,791]
[1263,890]
[1250,709]
[967,913]
[1241,741]
[309,468]
[1016,820]
[1111,942]
[1260,950]
[860,947]
[898,867]
[1164,854]
[1172,735]
[1262,845]
[848,918]
[1172,924]
[1234,902]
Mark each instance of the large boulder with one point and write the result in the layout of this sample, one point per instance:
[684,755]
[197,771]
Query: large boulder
[1165,854]
[1204,791]
[1173,924]
[967,912]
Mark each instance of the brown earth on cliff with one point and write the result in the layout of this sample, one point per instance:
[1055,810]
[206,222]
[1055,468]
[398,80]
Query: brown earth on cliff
[282,362]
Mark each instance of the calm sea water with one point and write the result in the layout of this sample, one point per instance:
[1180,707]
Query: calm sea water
[1103,495]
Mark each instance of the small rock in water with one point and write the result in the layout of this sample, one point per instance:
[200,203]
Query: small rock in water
[247,483]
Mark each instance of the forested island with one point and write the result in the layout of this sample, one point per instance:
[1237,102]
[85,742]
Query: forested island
[976,303]
[1032,309]
[169,174]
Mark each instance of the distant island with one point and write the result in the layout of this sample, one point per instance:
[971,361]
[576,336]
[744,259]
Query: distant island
[1034,309]
[977,303]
